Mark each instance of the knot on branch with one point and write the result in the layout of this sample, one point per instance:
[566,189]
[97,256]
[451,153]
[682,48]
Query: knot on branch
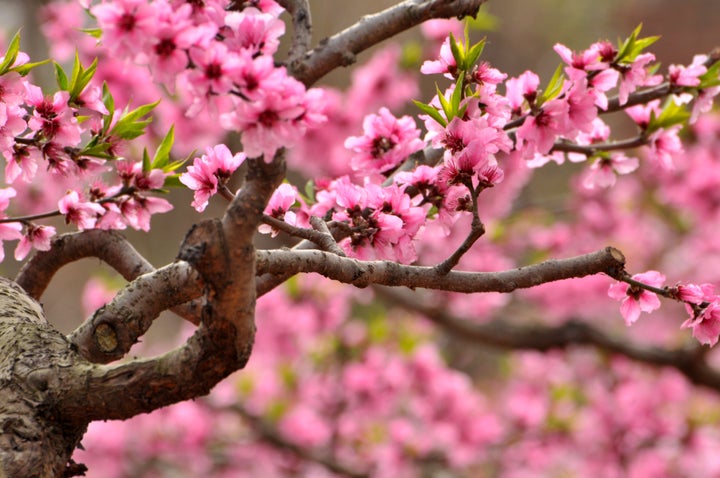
[206,249]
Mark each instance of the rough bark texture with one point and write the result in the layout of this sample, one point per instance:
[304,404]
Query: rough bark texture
[36,439]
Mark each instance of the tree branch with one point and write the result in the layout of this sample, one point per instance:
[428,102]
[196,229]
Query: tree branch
[688,360]
[608,261]
[341,48]
[109,246]
[299,10]
[114,328]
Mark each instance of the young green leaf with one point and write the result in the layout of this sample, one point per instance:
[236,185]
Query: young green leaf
[10,54]
[132,123]
[61,77]
[671,115]
[432,112]
[554,86]
[25,68]
[162,154]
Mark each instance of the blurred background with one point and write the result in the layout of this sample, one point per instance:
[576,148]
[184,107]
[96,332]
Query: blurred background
[520,37]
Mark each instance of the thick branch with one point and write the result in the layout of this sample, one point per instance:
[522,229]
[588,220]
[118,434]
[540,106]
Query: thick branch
[299,10]
[608,261]
[109,246]
[114,328]
[341,49]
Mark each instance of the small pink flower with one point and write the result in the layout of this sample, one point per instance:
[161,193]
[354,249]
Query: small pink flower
[602,172]
[279,207]
[81,213]
[445,65]
[386,143]
[35,236]
[690,75]
[207,171]
[705,324]
[636,74]
[635,300]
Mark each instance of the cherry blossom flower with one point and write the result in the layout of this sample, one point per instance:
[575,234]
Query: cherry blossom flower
[279,207]
[81,213]
[538,133]
[127,25]
[636,74]
[445,65]
[386,143]
[521,89]
[705,323]
[603,172]
[580,64]
[208,171]
[37,236]
[254,31]
[688,76]
[53,118]
[272,120]
[635,300]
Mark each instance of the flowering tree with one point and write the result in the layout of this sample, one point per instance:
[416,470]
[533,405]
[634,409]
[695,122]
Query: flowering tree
[364,380]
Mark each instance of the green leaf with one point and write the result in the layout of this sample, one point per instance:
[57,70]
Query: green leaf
[146,161]
[458,51]
[61,77]
[97,150]
[671,115]
[711,77]
[432,112]
[633,46]
[445,104]
[474,53]
[172,166]
[162,154]
[554,87]
[131,124]
[24,69]
[80,78]
[457,95]
[10,54]
[310,192]
[93,32]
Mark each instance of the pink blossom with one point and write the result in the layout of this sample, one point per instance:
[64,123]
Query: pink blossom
[690,75]
[254,31]
[521,89]
[305,427]
[705,324]
[52,118]
[602,172]
[636,74]
[279,207]
[81,213]
[208,171]
[664,145]
[386,143]
[579,64]
[538,133]
[215,67]
[128,25]
[12,123]
[35,236]
[137,210]
[635,300]
[272,120]
[445,65]
[581,108]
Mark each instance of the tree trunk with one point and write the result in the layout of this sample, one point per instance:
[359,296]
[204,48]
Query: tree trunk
[35,440]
